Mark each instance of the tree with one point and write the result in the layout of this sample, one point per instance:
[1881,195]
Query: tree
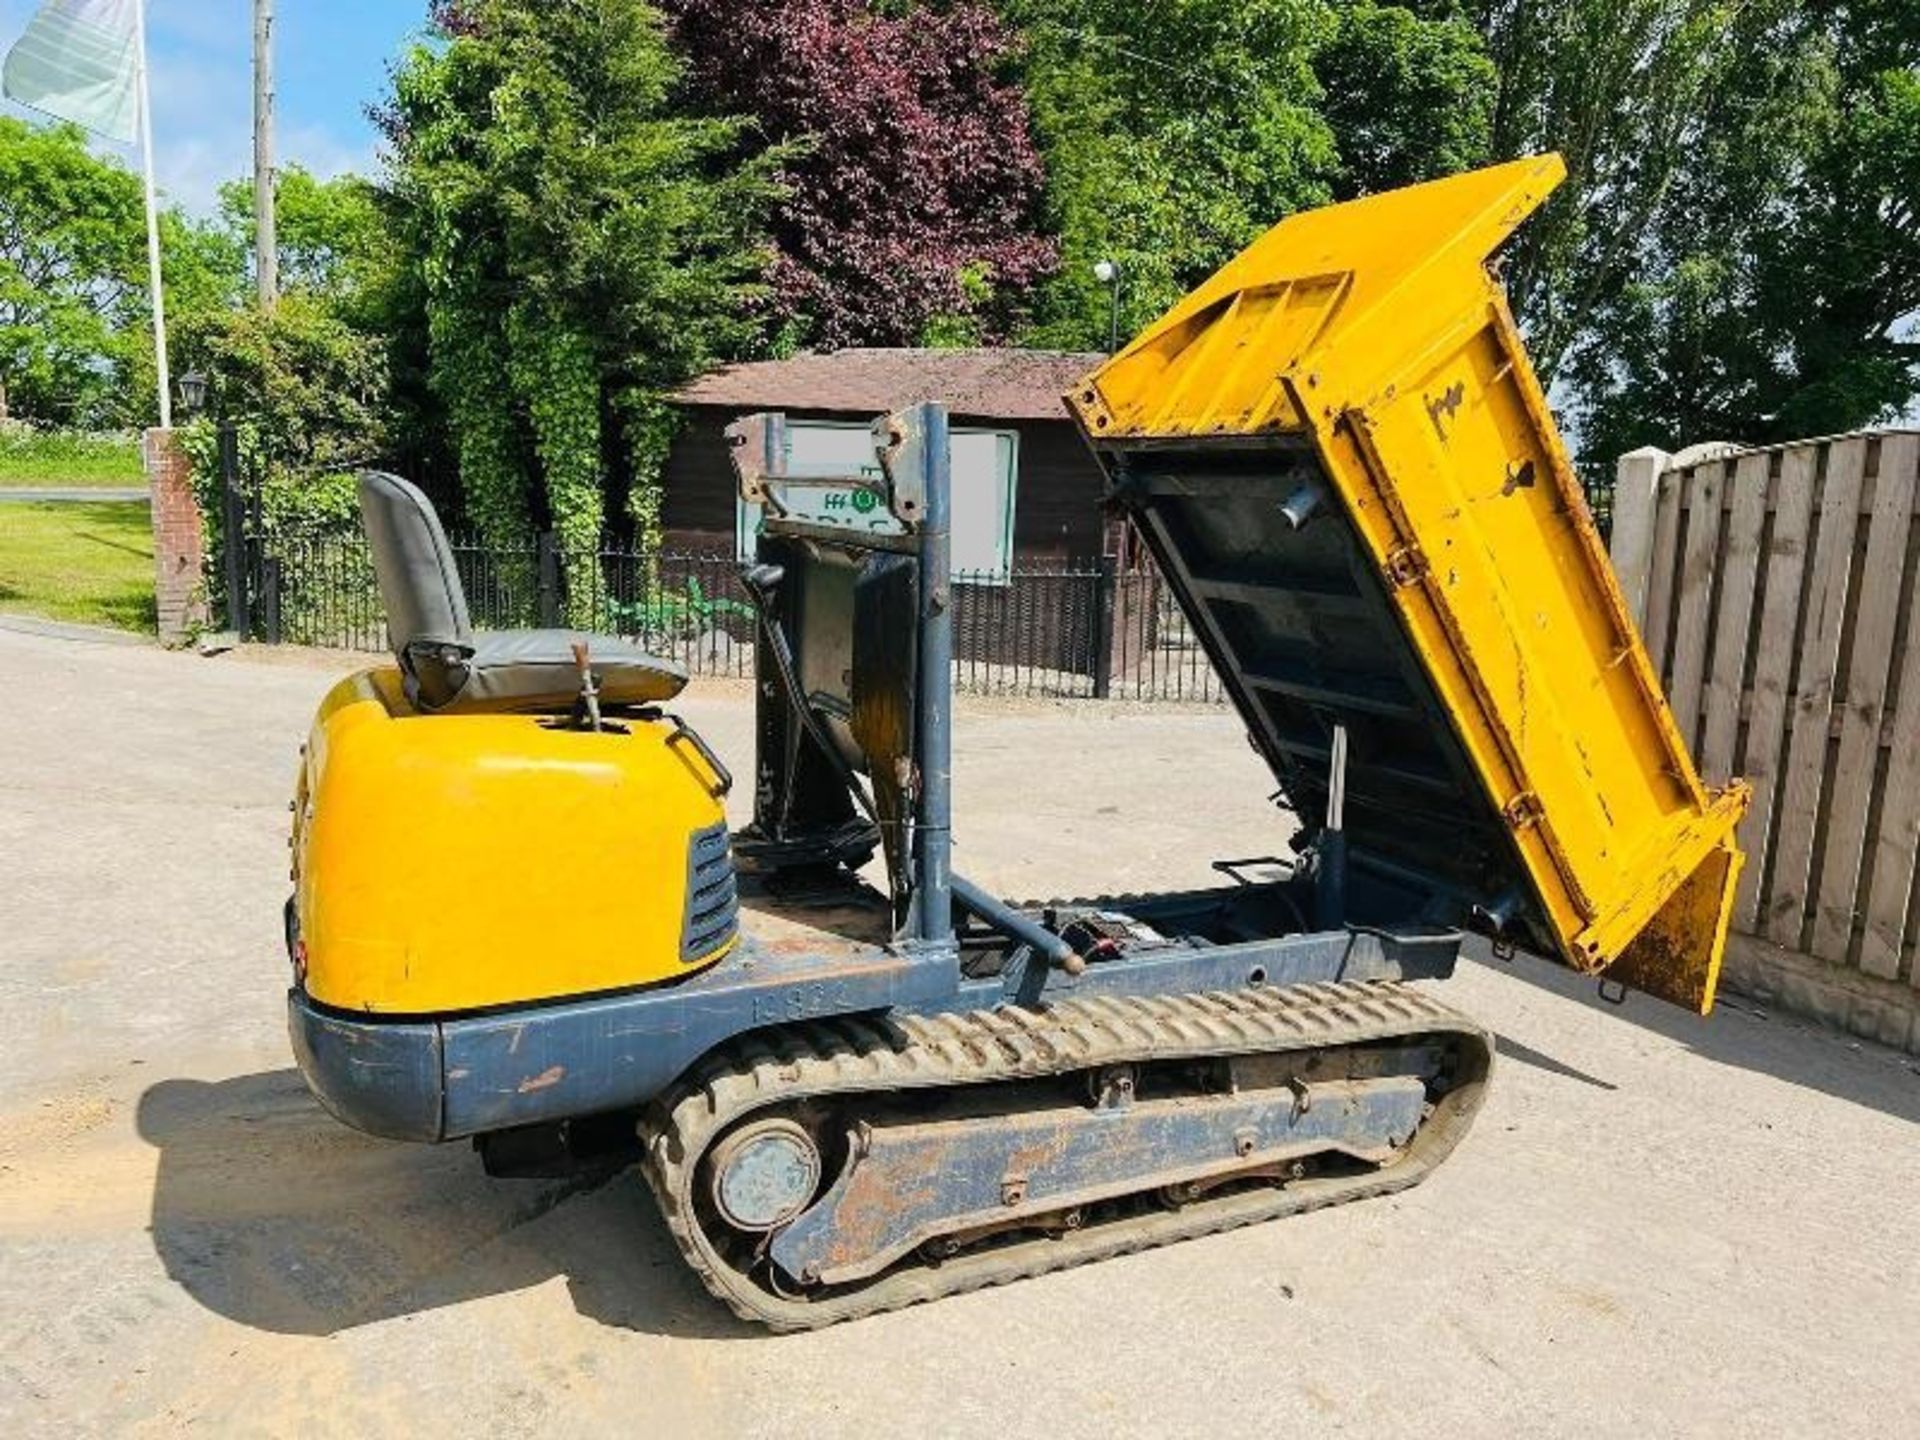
[75,343]
[328,380]
[71,267]
[1176,134]
[311,387]
[582,248]
[1172,136]
[1768,296]
[1622,89]
[307,395]
[334,240]
[1842,275]
[912,196]
[1409,96]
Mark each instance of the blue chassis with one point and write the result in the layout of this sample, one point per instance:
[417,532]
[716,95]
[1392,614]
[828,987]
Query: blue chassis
[442,1079]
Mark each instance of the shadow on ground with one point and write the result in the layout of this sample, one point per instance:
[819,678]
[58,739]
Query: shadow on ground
[1740,1032]
[143,552]
[270,1212]
[1511,1049]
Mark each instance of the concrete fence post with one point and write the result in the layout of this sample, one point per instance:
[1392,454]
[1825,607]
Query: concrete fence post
[1636,495]
[179,544]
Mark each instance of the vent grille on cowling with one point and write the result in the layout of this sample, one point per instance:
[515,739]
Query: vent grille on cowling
[713,909]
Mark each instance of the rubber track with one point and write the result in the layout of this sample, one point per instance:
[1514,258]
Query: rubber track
[851,1056]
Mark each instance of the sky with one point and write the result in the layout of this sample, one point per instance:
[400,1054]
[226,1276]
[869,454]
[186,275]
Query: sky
[331,57]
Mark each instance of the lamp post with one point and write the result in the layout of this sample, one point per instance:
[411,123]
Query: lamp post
[1107,272]
[193,393]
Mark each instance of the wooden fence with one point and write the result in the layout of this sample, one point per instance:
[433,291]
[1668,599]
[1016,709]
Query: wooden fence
[1777,592]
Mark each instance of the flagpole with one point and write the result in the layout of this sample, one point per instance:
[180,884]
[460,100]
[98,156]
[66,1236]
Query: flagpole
[153,215]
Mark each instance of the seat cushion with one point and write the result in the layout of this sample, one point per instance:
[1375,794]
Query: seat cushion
[535,670]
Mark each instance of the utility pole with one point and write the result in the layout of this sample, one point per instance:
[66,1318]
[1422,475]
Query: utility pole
[266,245]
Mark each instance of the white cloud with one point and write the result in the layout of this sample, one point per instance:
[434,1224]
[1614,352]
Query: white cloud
[201,80]
[202,125]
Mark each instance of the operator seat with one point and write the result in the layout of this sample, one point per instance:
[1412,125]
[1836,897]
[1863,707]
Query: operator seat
[448,668]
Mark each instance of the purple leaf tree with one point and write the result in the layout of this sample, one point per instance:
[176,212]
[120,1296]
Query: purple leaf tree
[912,212]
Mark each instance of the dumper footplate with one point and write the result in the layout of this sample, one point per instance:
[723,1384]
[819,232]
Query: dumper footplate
[932,1155]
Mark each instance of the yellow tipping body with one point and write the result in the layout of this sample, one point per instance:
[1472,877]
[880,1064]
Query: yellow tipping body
[449,863]
[1374,330]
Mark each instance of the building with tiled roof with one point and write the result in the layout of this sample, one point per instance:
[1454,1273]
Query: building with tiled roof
[1025,487]
[982,384]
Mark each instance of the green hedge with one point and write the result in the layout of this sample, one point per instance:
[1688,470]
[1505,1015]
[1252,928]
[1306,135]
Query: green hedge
[293,506]
[31,456]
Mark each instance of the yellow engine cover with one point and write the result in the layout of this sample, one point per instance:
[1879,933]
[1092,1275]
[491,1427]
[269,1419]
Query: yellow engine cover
[447,863]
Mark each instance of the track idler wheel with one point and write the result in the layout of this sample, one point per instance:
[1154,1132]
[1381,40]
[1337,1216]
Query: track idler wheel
[764,1174]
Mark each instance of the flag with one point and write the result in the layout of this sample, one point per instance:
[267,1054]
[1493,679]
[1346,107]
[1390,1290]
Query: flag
[77,61]
[85,61]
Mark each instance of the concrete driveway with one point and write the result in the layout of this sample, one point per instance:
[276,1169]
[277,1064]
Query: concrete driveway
[1661,1226]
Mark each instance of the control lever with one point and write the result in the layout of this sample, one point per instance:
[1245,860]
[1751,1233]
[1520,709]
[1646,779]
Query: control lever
[589,692]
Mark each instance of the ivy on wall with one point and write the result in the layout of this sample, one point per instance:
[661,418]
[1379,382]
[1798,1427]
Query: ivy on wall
[470,374]
[552,368]
[584,247]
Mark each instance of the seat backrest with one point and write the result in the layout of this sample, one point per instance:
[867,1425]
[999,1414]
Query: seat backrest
[414,565]
[427,623]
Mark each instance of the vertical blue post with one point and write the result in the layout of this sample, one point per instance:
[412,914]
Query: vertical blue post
[934,832]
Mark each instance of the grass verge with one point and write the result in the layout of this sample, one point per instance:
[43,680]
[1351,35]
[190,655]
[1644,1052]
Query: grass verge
[90,562]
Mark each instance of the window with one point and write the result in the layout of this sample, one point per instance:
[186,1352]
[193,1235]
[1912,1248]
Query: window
[985,469]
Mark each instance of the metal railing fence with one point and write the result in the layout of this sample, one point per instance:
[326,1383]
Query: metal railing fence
[1048,629]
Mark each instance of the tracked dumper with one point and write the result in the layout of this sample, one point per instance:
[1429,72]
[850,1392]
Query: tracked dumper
[855,1079]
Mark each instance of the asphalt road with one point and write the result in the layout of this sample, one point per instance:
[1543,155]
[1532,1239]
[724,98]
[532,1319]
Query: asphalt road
[1660,1226]
[73,494]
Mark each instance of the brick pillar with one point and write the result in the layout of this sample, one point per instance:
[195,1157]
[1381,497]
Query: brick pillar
[179,588]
